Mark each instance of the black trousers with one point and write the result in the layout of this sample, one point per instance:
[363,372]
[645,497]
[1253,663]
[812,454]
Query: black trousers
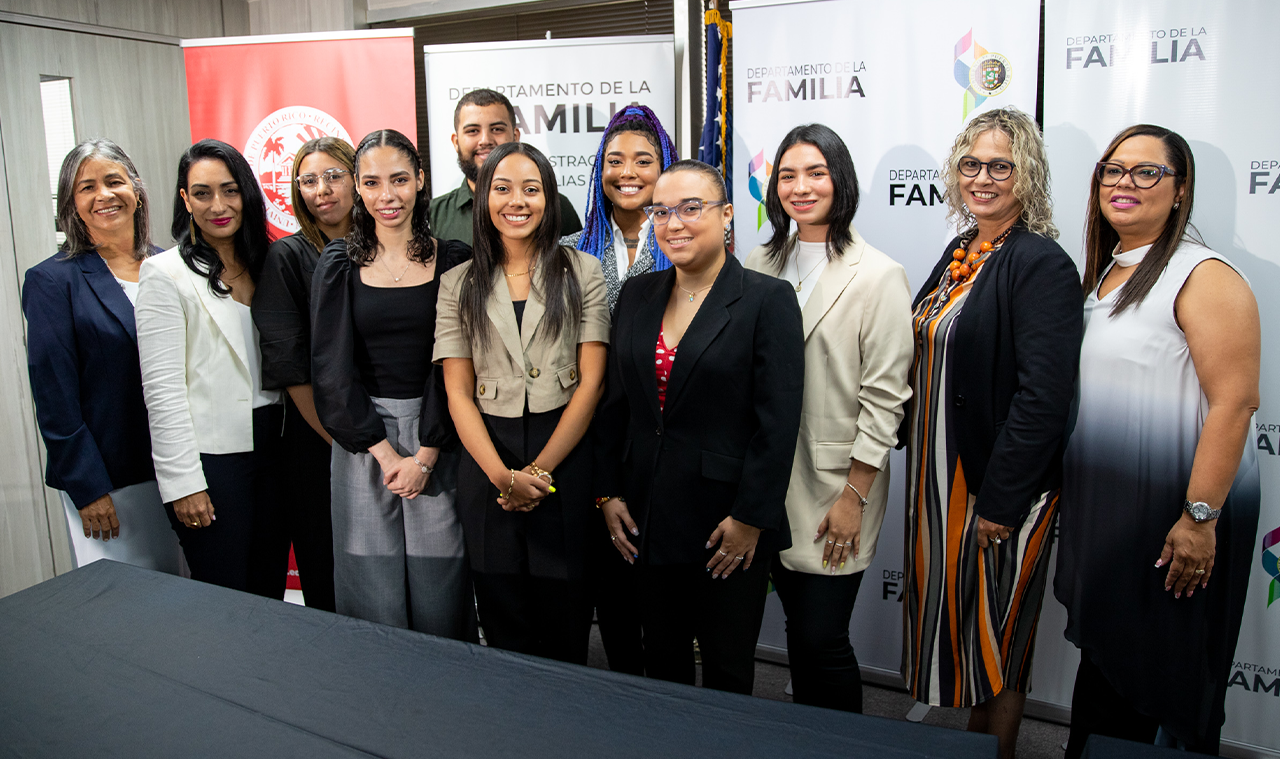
[245,489]
[305,521]
[681,602]
[618,616]
[1097,709]
[534,615]
[824,668]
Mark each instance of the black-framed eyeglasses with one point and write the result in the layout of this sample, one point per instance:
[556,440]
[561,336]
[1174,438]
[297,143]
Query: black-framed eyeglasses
[999,170]
[1144,175]
[331,178]
[690,210]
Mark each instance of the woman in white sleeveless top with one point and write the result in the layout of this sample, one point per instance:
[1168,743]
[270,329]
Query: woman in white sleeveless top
[1160,493]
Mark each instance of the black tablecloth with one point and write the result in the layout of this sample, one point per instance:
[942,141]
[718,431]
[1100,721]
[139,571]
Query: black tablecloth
[112,660]
[1102,747]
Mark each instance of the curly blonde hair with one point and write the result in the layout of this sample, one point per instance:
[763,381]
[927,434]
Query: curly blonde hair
[1030,177]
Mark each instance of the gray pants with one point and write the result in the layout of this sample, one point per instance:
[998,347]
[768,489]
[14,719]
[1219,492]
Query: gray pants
[397,561]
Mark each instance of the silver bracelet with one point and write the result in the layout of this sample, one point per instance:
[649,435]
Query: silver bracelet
[862,500]
[428,470]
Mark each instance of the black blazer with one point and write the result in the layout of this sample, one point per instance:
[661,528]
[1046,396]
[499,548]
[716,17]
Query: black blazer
[723,444]
[282,312]
[82,355]
[342,403]
[1017,353]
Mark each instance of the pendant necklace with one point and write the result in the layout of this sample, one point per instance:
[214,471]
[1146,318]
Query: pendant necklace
[393,276]
[692,293]
[800,280]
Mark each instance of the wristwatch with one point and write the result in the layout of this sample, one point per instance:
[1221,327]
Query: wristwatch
[1200,511]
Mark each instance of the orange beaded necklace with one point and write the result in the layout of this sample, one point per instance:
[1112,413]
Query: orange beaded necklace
[966,264]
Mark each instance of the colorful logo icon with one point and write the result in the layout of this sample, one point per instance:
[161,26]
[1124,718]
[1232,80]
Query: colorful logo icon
[760,169]
[982,73]
[1271,563]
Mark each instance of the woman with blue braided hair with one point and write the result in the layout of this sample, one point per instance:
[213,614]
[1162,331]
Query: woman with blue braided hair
[634,152]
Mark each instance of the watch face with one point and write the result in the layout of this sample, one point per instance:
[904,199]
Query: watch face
[1200,511]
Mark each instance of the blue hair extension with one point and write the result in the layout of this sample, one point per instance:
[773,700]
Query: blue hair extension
[597,235]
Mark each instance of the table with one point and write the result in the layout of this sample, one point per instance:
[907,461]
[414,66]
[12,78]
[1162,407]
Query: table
[114,660]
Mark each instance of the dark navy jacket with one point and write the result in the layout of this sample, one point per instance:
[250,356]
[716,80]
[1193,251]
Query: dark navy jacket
[82,354]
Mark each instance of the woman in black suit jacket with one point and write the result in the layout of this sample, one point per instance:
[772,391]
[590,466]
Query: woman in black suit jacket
[82,355]
[696,435]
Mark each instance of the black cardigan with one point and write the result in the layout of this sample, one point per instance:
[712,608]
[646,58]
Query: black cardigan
[1013,386]
[342,403]
[282,312]
[723,444]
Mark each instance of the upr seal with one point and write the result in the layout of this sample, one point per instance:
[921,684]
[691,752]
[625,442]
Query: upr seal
[270,150]
[990,74]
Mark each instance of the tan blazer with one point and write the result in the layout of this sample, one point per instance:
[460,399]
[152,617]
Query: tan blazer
[195,372]
[858,349]
[520,361]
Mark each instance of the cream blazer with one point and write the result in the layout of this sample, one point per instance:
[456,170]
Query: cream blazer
[520,360]
[858,348]
[195,373]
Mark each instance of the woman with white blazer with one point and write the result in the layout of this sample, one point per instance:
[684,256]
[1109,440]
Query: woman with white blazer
[214,432]
[856,306]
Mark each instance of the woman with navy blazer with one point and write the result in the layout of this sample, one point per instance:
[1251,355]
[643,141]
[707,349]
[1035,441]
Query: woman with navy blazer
[695,438]
[215,433]
[82,355]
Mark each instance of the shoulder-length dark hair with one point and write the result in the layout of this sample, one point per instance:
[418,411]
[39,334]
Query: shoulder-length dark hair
[553,275]
[251,239]
[362,240]
[339,150]
[1100,238]
[844,197]
[78,238]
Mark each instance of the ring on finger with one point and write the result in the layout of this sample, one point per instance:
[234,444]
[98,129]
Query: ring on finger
[722,553]
[847,543]
[737,558]
[1199,571]
[613,538]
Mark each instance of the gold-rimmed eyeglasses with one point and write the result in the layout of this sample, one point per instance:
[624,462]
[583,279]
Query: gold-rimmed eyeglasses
[331,178]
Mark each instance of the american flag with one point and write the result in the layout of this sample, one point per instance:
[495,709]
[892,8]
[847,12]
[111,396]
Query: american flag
[716,147]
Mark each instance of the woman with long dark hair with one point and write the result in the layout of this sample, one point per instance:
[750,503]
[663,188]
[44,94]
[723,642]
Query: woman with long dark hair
[215,433]
[398,550]
[695,439]
[856,305]
[323,189]
[82,355]
[522,335]
[633,153]
[1160,493]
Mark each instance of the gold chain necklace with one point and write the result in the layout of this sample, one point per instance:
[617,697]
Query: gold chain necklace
[388,268]
[693,293]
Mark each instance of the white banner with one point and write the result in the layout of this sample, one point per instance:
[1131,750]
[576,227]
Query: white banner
[898,81]
[1207,71]
[564,93]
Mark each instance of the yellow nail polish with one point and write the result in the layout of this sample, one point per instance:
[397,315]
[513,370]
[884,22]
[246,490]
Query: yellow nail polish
[824,563]
[552,488]
[842,565]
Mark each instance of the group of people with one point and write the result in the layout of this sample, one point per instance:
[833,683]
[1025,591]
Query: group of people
[524,420]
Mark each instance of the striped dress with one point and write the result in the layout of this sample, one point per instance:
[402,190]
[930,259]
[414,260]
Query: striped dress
[970,613]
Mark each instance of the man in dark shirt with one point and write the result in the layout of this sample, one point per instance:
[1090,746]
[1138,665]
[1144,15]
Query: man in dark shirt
[482,120]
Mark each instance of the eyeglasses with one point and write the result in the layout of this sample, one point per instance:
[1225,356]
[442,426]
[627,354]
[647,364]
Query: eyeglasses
[690,210]
[331,178]
[1144,175]
[997,170]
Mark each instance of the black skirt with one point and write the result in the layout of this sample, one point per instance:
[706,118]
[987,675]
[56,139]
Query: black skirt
[548,542]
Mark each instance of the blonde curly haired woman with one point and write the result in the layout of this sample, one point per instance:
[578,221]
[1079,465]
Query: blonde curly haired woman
[998,326]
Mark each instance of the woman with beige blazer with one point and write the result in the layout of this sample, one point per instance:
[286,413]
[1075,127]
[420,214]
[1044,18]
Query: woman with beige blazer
[215,434]
[856,305]
[521,330]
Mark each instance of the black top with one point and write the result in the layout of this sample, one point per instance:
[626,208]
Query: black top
[1013,388]
[282,312]
[342,398]
[518,305]
[395,332]
[723,443]
[82,355]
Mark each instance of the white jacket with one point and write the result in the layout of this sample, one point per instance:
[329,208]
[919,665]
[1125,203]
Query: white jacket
[195,373]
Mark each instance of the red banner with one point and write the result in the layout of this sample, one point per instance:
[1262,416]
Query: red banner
[267,98]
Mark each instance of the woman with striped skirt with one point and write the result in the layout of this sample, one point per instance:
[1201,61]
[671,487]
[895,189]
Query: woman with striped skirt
[998,327]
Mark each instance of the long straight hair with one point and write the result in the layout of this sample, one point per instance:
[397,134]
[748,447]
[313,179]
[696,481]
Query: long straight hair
[339,150]
[78,238]
[1101,238]
[251,240]
[553,278]
[362,240]
[597,231]
[844,196]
